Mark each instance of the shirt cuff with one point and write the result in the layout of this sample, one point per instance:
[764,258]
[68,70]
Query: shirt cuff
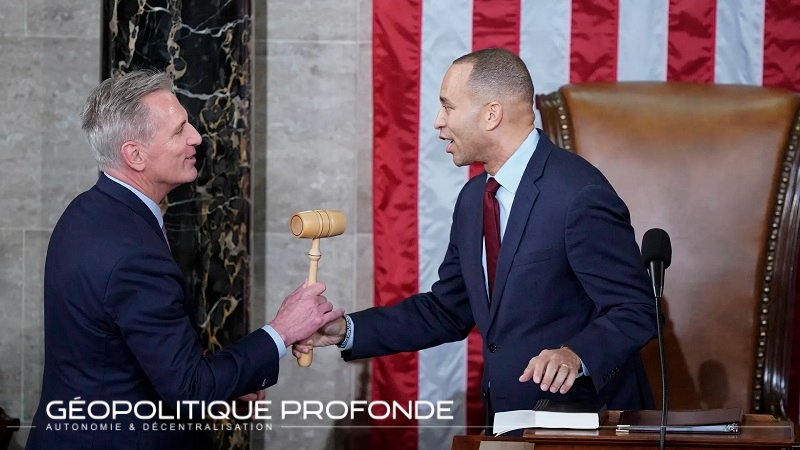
[347,343]
[277,338]
[584,370]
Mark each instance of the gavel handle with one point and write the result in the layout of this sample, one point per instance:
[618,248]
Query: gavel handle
[314,255]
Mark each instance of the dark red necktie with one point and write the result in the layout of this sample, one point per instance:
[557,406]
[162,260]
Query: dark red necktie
[164,233]
[491,229]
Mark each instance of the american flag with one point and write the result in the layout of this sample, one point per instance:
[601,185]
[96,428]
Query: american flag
[754,42]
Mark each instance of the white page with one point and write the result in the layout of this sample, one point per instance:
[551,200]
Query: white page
[513,420]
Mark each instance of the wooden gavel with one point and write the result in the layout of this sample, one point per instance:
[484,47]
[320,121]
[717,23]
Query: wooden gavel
[315,225]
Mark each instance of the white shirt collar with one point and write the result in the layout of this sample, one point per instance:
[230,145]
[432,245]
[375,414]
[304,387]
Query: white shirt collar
[510,174]
[153,206]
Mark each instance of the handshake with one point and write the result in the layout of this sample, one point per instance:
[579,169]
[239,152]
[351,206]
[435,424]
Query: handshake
[306,318]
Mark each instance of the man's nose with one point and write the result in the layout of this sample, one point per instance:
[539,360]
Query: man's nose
[439,122]
[194,138]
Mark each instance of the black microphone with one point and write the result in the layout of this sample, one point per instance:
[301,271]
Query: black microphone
[656,255]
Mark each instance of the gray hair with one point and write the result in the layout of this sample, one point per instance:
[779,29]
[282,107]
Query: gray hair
[497,73]
[114,113]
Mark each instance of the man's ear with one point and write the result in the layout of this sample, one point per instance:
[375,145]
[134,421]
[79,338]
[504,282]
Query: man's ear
[494,115]
[132,155]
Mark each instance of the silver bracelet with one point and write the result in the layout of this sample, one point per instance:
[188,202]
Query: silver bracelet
[347,334]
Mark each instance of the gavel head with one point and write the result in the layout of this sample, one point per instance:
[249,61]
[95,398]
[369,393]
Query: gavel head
[319,223]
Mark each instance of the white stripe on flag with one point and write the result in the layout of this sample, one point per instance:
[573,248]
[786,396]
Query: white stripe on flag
[544,44]
[739,50]
[446,35]
[642,42]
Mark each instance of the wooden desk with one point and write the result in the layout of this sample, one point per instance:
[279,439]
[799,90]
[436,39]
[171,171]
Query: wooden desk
[758,431]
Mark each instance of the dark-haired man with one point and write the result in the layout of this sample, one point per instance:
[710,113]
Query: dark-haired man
[564,301]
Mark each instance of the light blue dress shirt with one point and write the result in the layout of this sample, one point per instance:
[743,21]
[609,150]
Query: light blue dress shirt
[154,208]
[509,177]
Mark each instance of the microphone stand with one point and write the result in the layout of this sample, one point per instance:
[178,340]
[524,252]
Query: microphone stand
[662,434]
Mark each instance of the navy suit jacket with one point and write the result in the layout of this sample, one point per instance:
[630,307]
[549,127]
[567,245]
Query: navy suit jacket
[569,273]
[120,326]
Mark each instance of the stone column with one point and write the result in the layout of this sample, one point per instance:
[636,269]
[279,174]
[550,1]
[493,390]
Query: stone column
[206,46]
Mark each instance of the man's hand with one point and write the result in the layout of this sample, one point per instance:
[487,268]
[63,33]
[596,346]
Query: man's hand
[554,370]
[241,403]
[303,312]
[331,333]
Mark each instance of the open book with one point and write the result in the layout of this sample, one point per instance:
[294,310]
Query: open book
[725,420]
[584,415]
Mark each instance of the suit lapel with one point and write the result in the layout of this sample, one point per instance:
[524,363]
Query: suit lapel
[526,195]
[123,195]
[472,253]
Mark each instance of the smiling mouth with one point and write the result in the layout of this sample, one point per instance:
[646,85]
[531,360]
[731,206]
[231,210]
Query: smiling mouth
[449,143]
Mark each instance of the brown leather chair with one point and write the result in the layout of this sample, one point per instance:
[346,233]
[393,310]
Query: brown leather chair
[717,168]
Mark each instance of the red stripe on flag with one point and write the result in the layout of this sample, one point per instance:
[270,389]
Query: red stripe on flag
[476,415]
[782,44]
[691,41]
[397,30]
[593,40]
[495,23]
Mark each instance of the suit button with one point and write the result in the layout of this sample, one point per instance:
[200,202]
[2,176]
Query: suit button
[492,348]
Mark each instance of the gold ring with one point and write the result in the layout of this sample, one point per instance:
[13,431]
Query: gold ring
[565,365]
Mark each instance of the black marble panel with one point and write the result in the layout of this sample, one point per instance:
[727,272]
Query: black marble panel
[205,45]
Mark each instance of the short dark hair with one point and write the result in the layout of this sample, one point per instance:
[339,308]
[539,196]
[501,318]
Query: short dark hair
[497,72]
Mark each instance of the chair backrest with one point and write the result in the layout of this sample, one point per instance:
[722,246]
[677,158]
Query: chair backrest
[717,168]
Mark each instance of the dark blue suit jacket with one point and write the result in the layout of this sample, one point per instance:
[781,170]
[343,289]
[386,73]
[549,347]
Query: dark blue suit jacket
[120,326]
[569,273]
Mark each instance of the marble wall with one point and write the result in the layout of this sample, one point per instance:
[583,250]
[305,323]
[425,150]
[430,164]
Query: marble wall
[49,60]
[318,156]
